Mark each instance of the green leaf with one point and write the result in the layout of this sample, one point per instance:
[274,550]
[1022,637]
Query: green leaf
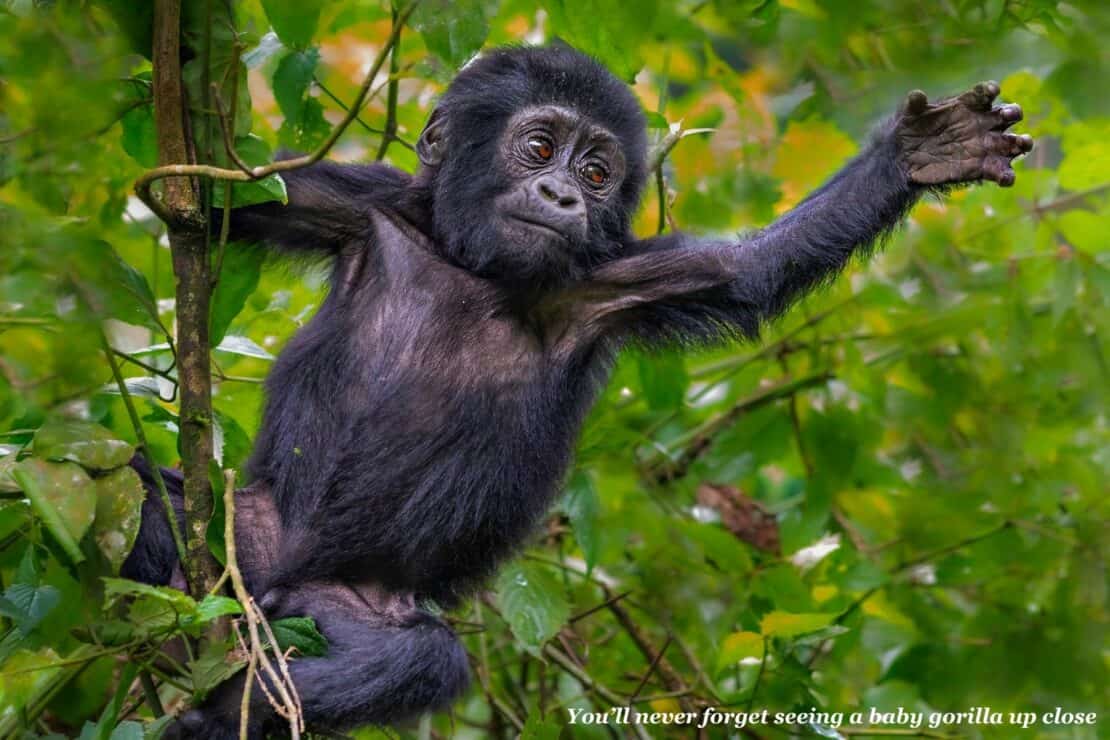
[214,606]
[111,633]
[785,624]
[1085,230]
[721,547]
[664,380]
[299,633]
[533,603]
[27,605]
[740,647]
[63,496]
[118,588]
[129,730]
[538,727]
[144,387]
[214,533]
[454,31]
[154,730]
[611,30]
[192,78]
[138,136]
[135,20]
[310,130]
[1066,284]
[27,674]
[238,278]
[7,482]
[90,445]
[294,22]
[268,46]
[1084,166]
[582,505]
[292,79]
[112,288]
[245,346]
[119,501]
[215,665]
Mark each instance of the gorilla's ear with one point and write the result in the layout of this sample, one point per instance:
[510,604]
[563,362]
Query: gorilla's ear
[431,146]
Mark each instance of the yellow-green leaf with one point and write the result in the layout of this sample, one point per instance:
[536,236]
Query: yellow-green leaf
[785,624]
[738,647]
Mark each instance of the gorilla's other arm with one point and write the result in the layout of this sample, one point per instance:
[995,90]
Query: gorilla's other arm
[681,287]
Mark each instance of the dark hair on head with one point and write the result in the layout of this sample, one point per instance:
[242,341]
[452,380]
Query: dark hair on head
[502,81]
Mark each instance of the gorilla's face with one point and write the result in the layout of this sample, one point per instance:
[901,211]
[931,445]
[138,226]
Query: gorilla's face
[537,203]
[559,172]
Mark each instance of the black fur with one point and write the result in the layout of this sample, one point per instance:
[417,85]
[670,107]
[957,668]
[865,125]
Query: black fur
[420,425]
[153,559]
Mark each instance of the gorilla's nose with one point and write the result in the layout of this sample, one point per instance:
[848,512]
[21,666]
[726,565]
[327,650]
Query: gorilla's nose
[560,197]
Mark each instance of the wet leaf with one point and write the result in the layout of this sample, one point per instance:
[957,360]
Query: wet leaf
[90,445]
[119,500]
[532,602]
[63,496]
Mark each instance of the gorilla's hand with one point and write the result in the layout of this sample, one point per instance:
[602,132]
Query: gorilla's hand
[959,139]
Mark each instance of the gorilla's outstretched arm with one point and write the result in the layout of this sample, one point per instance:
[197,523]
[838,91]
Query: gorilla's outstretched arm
[680,287]
[329,208]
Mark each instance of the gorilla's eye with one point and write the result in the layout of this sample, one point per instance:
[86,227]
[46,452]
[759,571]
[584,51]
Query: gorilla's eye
[595,174]
[542,148]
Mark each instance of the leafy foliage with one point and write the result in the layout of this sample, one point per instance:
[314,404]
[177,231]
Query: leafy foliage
[927,437]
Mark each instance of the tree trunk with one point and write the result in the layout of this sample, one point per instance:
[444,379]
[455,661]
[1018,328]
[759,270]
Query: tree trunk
[192,273]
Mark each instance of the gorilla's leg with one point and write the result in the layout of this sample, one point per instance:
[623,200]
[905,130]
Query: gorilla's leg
[387,662]
[153,559]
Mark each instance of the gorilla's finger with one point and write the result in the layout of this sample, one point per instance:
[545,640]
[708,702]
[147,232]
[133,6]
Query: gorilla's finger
[1012,145]
[1006,115]
[997,169]
[979,97]
[916,102]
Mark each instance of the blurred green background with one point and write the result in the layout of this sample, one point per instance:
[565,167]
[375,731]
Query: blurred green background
[898,498]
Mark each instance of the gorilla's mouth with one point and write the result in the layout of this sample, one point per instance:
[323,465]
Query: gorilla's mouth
[536,224]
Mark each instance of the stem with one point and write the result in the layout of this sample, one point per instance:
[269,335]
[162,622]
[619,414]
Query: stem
[391,95]
[150,694]
[289,705]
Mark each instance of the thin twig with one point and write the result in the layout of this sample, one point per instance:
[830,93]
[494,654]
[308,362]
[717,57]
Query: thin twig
[140,437]
[335,99]
[651,670]
[290,706]
[245,701]
[391,96]
[672,681]
[227,126]
[599,607]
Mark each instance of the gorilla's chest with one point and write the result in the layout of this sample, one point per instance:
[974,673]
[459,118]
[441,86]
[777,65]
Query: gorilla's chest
[435,343]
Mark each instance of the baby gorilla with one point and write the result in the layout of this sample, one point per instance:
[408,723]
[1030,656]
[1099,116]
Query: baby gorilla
[419,426]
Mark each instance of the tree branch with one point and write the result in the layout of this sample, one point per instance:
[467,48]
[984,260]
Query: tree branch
[172,172]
